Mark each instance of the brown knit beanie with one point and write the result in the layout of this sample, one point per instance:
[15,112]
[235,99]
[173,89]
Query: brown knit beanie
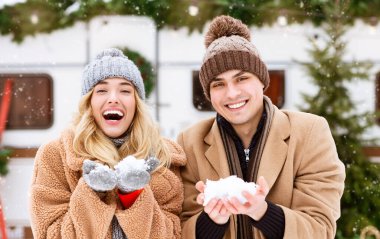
[229,48]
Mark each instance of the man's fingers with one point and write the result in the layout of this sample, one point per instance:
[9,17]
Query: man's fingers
[263,185]
[229,206]
[200,198]
[223,210]
[210,206]
[250,197]
[216,210]
[200,186]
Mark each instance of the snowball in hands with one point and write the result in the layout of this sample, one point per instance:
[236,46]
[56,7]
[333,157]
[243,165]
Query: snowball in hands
[229,187]
[130,163]
[133,174]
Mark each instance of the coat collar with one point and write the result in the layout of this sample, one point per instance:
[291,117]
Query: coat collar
[177,154]
[73,160]
[274,153]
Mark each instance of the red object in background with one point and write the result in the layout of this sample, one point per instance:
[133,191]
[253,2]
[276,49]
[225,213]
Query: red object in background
[3,229]
[5,102]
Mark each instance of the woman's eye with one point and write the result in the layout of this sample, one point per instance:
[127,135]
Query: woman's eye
[243,78]
[101,91]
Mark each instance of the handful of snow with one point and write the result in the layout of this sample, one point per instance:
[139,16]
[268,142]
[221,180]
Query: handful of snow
[130,163]
[229,187]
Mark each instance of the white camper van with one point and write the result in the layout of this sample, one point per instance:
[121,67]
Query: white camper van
[46,75]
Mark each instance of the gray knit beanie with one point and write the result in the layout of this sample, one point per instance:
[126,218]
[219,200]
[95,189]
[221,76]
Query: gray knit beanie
[112,63]
[229,48]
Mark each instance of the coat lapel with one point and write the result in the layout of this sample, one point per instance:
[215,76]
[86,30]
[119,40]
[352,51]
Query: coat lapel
[215,154]
[275,150]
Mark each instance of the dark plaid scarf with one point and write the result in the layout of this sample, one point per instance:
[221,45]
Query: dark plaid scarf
[236,159]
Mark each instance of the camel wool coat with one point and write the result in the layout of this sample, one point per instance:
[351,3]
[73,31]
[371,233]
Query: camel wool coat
[63,206]
[299,162]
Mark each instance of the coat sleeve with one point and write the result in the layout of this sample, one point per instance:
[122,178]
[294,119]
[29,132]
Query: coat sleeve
[318,186]
[60,212]
[155,213]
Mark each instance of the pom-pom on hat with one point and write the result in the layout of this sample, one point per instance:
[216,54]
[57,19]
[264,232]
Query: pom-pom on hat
[112,63]
[229,48]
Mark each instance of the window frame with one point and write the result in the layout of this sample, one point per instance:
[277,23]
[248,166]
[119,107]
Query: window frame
[49,102]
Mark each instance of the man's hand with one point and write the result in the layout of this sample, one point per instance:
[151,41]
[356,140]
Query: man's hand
[215,208]
[255,207]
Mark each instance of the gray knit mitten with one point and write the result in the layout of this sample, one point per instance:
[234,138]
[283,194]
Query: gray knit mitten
[133,174]
[99,177]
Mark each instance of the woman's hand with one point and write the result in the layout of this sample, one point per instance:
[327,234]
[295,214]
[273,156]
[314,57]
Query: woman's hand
[133,174]
[99,177]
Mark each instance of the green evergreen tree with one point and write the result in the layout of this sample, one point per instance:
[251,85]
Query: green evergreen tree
[4,159]
[360,203]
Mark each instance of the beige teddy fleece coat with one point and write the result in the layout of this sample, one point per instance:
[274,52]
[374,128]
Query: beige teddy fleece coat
[63,206]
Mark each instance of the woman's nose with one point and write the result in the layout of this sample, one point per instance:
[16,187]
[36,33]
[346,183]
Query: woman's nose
[113,97]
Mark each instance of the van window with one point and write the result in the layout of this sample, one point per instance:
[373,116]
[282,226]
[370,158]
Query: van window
[275,91]
[31,100]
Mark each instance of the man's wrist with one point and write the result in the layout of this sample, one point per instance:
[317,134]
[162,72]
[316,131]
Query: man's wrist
[260,212]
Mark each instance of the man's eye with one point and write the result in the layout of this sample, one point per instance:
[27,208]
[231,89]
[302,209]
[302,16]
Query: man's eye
[242,78]
[216,85]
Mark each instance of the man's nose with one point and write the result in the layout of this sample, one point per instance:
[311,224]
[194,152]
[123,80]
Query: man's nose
[232,91]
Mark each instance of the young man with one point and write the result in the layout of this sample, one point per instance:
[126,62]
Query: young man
[290,155]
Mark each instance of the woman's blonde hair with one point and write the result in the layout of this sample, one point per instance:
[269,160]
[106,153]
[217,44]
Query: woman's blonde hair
[143,138]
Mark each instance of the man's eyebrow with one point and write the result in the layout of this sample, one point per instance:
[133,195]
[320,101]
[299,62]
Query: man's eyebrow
[234,76]
[238,74]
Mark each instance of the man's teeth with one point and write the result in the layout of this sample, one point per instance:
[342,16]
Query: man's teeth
[235,106]
[115,112]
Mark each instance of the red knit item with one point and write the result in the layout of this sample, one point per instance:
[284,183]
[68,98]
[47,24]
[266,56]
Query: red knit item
[128,199]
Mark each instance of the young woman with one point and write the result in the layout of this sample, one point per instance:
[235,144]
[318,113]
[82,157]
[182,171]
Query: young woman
[85,186]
